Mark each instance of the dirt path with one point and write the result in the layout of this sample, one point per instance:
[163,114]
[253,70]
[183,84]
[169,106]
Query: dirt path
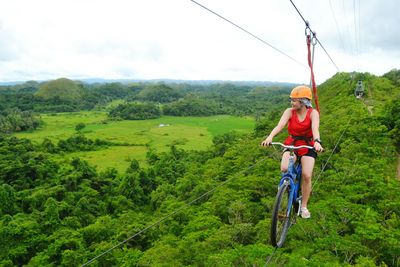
[370,101]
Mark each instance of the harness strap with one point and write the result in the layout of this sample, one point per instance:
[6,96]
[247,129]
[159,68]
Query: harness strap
[310,64]
[304,138]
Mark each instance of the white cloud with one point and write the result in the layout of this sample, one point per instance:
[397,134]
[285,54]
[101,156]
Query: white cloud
[177,39]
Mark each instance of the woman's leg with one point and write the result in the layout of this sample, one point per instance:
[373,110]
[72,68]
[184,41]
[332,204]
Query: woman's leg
[307,165]
[285,161]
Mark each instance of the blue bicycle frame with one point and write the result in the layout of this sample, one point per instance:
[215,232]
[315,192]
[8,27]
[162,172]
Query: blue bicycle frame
[293,176]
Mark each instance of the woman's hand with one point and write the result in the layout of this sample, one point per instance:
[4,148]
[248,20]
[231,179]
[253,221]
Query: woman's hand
[318,147]
[267,141]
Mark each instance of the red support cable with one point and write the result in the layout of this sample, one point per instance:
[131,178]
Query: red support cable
[314,86]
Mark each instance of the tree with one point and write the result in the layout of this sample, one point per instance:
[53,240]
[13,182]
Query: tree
[51,212]
[135,111]
[80,126]
[7,198]
[130,187]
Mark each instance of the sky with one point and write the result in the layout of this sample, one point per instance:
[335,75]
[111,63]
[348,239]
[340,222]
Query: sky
[178,39]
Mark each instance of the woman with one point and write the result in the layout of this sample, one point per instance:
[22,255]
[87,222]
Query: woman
[303,128]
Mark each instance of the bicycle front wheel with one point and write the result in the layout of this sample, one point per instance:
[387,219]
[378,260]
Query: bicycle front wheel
[281,220]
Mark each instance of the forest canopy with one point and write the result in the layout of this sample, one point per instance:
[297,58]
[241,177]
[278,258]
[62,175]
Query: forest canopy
[58,212]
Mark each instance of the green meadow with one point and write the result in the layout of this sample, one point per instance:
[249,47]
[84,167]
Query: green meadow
[136,137]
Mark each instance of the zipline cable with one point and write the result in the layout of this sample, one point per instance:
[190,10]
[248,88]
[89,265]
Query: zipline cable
[337,25]
[355,27]
[357,32]
[299,12]
[270,257]
[307,25]
[246,31]
[174,212]
[347,29]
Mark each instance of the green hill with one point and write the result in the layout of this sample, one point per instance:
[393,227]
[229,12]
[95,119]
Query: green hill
[57,213]
[159,93]
[62,88]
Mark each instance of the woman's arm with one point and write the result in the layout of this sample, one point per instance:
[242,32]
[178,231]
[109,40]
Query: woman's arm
[315,130]
[281,124]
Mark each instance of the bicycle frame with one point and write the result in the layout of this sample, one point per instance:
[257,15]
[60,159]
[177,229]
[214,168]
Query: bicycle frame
[293,176]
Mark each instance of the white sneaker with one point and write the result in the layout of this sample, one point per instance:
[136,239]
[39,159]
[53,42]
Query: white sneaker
[305,214]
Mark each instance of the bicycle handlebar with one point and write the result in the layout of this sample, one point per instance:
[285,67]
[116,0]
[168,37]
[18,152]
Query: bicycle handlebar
[291,147]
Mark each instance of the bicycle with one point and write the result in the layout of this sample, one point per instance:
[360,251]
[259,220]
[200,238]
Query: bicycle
[288,199]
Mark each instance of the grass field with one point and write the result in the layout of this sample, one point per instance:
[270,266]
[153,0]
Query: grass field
[191,133]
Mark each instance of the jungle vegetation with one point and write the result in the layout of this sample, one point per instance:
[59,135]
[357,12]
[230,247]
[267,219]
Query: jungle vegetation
[56,213]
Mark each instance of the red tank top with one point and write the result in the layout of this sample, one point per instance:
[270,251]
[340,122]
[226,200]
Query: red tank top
[300,132]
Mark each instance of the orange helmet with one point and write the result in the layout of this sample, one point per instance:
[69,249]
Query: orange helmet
[301,91]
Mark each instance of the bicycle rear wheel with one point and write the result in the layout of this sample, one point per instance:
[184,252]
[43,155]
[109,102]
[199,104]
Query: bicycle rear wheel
[280,222]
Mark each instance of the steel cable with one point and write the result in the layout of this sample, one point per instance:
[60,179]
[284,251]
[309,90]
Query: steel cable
[174,212]
[246,31]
